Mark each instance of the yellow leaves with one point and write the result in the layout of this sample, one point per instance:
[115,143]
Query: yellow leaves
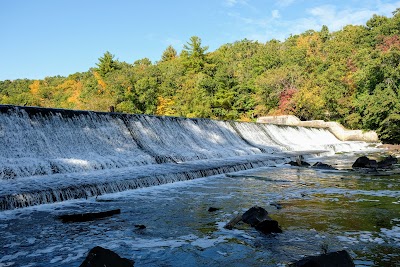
[100,82]
[36,94]
[244,118]
[311,44]
[165,106]
[309,102]
[34,87]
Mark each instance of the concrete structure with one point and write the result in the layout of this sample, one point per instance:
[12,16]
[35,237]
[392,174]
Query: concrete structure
[336,128]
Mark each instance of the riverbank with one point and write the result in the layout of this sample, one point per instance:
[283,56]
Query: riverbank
[392,149]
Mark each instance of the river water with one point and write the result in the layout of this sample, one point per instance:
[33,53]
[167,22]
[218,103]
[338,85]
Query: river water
[316,210]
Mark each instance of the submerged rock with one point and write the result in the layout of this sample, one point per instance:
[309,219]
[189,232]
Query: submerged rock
[100,257]
[323,166]
[299,164]
[277,205]
[83,217]
[140,226]
[235,220]
[333,259]
[212,209]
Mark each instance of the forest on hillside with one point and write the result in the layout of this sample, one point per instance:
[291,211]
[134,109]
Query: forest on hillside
[351,76]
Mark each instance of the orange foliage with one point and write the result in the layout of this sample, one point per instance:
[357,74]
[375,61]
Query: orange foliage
[165,106]
[34,87]
[74,89]
[100,82]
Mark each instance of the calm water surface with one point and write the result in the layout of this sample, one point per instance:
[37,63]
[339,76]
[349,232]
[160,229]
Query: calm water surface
[317,210]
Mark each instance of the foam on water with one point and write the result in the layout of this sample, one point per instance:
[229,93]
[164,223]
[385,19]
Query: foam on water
[198,237]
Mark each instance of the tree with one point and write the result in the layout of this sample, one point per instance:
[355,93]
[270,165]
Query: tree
[106,64]
[194,55]
[168,54]
[324,33]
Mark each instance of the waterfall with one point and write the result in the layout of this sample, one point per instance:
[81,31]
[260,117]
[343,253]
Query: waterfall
[42,144]
[50,155]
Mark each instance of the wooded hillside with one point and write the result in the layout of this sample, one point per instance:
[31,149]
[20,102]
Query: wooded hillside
[351,76]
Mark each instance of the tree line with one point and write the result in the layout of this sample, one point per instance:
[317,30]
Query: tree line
[351,76]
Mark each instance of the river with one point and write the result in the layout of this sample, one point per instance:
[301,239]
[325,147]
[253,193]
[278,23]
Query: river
[317,210]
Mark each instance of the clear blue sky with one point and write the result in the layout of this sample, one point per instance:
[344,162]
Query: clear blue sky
[42,38]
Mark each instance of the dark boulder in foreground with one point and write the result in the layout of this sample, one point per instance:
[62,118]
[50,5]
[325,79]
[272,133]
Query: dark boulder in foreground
[333,259]
[258,218]
[90,216]
[100,257]
[322,166]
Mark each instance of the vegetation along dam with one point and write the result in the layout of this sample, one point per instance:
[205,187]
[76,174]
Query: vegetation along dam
[55,162]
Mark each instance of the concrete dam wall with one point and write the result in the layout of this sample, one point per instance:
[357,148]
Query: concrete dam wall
[51,155]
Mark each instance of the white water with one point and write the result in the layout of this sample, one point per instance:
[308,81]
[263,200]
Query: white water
[54,155]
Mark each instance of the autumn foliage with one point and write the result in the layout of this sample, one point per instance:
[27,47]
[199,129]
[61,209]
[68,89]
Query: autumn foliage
[351,76]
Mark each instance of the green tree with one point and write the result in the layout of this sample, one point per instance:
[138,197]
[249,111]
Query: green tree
[193,54]
[169,54]
[106,64]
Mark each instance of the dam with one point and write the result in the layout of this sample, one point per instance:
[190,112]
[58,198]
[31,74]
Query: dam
[56,162]
[53,155]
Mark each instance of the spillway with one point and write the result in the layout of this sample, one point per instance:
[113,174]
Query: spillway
[51,155]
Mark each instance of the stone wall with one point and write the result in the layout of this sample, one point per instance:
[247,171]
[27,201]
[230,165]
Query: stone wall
[336,128]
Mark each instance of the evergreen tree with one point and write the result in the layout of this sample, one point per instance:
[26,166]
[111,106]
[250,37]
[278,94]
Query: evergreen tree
[168,54]
[106,64]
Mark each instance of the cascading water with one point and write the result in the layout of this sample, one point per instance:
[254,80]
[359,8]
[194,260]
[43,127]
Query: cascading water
[305,138]
[39,144]
[50,155]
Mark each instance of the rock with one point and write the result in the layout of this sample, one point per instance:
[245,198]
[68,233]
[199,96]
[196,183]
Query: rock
[83,217]
[295,163]
[387,162]
[323,166]
[268,226]
[100,257]
[333,259]
[365,162]
[255,215]
[277,205]
[233,222]
[212,209]
[140,226]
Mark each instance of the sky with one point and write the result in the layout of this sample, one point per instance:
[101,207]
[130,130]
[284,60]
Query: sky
[41,38]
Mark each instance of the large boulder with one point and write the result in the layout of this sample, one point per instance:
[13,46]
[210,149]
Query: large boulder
[258,218]
[255,215]
[102,257]
[268,226]
[387,162]
[365,162]
[333,259]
